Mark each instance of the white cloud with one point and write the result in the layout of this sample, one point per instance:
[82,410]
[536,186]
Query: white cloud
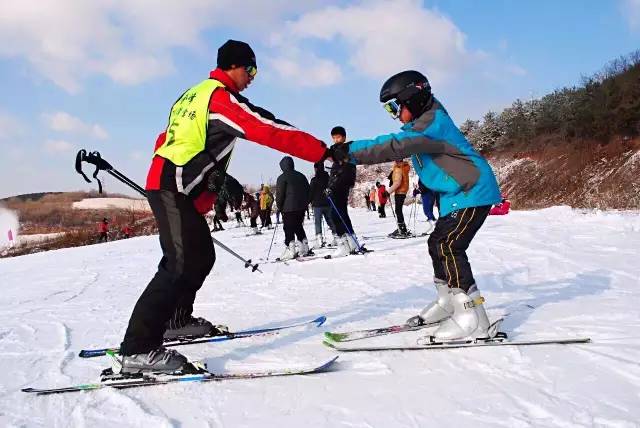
[631,11]
[304,68]
[57,146]
[384,37]
[64,122]
[130,41]
[516,70]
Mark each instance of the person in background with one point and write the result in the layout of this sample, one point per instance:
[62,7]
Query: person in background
[383,195]
[428,198]
[367,201]
[253,209]
[266,202]
[373,195]
[127,231]
[399,186]
[292,198]
[320,204]
[501,208]
[341,180]
[103,230]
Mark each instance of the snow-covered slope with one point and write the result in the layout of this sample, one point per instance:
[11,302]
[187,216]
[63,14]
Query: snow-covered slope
[558,272]
[105,203]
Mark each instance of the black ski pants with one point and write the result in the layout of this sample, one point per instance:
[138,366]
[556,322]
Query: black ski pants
[399,200]
[265,217]
[187,258]
[292,223]
[340,214]
[448,244]
[383,213]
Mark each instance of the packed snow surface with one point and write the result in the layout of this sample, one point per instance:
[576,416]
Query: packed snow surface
[106,203]
[558,273]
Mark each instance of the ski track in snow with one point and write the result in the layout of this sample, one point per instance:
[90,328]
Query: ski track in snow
[556,272]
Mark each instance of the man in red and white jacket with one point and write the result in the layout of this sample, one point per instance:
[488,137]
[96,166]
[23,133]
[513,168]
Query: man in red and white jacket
[187,173]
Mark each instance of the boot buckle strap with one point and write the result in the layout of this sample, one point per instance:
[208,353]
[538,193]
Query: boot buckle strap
[475,302]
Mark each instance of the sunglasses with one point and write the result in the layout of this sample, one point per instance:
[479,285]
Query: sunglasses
[392,107]
[251,70]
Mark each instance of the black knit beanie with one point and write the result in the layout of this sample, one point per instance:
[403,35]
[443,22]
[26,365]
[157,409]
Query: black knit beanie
[234,52]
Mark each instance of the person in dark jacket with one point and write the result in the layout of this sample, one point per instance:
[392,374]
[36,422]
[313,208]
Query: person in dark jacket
[292,199]
[320,204]
[220,214]
[253,208]
[341,180]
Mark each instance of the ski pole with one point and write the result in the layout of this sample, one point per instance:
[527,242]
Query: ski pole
[345,224]
[415,213]
[272,238]
[101,164]
[393,211]
[247,263]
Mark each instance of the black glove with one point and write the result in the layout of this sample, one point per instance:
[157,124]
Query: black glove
[227,187]
[328,192]
[339,152]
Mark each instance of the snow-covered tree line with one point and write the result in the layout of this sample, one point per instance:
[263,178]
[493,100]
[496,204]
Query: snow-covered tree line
[604,105]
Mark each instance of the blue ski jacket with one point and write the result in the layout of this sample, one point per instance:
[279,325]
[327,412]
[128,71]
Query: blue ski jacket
[442,157]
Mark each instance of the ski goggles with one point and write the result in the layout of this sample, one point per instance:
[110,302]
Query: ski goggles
[393,108]
[251,70]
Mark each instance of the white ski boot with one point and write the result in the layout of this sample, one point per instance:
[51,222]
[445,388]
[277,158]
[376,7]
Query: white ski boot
[430,226]
[304,248]
[319,242]
[469,320]
[353,247]
[343,247]
[333,242]
[437,311]
[291,252]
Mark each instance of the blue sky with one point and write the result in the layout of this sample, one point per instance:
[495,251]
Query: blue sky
[102,75]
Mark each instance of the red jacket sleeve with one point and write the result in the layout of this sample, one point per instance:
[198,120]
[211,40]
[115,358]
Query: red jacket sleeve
[253,125]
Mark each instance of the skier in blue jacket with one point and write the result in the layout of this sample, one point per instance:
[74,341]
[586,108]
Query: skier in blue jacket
[446,163]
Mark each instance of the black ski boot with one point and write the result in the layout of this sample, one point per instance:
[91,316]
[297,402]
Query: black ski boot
[159,360]
[194,328]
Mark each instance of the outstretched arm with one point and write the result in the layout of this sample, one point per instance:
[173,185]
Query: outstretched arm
[393,146]
[243,119]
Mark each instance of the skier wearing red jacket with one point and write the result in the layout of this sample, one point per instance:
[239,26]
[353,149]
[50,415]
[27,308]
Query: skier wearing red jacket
[501,208]
[187,173]
[382,199]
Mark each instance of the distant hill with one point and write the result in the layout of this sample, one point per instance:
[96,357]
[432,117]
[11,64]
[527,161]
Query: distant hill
[29,196]
[577,146]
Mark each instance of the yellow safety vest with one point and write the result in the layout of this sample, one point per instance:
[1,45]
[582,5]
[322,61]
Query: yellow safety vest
[188,121]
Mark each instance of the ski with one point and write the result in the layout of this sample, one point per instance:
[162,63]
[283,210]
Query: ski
[89,353]
[455,345]
[200,374]
[363,252]
[409,236]
[349,336]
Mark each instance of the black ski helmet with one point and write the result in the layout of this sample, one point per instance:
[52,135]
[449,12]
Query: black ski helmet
[410,88]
